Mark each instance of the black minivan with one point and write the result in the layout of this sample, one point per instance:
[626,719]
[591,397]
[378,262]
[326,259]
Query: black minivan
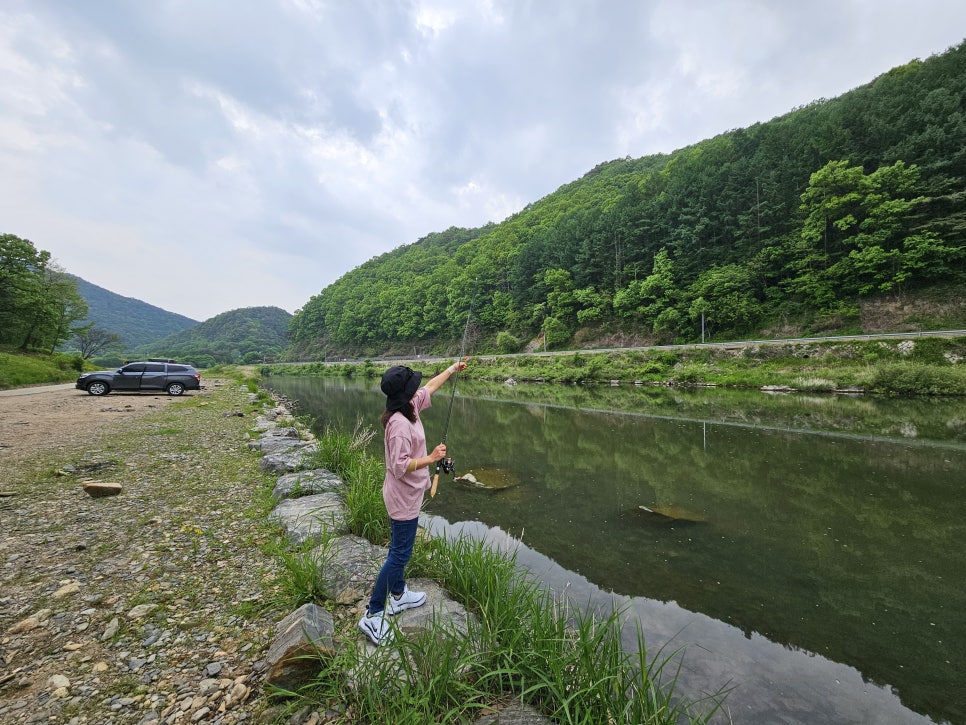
[142,377]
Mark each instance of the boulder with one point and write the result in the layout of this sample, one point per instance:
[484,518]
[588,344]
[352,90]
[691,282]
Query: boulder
[300,638]
[282,432]
[351,565]
[274,444]
[439,611]
[307,483]
[306,518]
[291,460]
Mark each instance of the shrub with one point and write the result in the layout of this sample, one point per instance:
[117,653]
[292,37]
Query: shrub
[507,343]
[555,332]
[912,379]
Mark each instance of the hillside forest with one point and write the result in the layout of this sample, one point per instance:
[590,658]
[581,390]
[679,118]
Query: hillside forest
[787,225]
[247,335]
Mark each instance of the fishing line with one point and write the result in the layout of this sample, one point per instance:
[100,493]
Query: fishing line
[447,464]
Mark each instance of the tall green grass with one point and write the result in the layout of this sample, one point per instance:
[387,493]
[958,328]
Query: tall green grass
[911,378]
[18,368]
[348,456]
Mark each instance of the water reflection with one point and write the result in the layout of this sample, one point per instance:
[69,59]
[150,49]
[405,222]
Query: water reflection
[818,524]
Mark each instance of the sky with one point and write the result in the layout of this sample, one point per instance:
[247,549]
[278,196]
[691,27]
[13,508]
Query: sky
[208,155]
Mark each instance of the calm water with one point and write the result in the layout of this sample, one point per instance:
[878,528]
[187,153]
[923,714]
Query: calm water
[819,565]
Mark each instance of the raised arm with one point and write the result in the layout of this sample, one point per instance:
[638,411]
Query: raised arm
[436,383]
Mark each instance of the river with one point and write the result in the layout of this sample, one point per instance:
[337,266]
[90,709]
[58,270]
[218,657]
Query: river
[805,550]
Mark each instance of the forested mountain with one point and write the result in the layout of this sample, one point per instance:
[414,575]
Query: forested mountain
[251,334]
[790,222]
[136,322]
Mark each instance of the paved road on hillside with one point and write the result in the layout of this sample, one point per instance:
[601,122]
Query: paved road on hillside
[733,344]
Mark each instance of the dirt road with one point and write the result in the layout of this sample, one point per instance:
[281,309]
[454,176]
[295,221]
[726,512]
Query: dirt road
[58,416]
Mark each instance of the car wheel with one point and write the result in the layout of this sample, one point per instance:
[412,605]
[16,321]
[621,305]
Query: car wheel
[98,388]
[175,389]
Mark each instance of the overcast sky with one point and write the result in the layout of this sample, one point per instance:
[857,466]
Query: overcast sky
[206,155]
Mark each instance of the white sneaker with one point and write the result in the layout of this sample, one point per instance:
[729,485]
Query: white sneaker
[407,600]
[376,627]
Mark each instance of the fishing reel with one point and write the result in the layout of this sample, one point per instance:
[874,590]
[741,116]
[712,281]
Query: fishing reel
[448,466]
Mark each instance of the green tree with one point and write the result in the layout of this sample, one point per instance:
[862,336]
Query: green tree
[649,297]
[21,264]
[560,294]
[39,303]
[857,236]
[555,333]
[727,297]
[93,341]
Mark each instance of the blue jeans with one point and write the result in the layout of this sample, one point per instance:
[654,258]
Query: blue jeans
[391,578]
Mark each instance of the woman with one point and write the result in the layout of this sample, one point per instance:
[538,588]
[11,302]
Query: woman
[407,479]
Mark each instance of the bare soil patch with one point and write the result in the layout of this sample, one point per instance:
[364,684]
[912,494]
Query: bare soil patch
[59,417]
[151,607]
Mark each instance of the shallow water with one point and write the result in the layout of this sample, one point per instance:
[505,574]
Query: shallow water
[813,556]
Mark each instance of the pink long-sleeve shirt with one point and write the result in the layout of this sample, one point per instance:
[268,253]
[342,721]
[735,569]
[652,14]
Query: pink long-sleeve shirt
[403,492]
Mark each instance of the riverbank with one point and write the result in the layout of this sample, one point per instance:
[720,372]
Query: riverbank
[893,366]
[159,605]
[156,605]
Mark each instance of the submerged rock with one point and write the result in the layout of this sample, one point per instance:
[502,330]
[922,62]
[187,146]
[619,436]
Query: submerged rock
[494,479]
[672,513]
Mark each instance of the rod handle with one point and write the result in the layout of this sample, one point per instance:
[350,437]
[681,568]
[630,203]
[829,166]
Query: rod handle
[432,491]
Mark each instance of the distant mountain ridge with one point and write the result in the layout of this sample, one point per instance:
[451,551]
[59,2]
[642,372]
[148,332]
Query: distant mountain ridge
[137,322]
[246,335]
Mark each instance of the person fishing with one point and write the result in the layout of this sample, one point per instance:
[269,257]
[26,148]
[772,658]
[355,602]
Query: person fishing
[406,481]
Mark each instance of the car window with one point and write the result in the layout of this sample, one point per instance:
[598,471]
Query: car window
[154,368]
[133,368]
[177,369]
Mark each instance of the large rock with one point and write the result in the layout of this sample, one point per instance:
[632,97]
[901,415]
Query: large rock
[306,518]
[307,483]
[275,444]
[263,424]
[351,565]
[289,461]
[282,432]
[439,611]
[300,638]
[440,617]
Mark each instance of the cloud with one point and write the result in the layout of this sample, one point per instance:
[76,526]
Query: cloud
[209,156]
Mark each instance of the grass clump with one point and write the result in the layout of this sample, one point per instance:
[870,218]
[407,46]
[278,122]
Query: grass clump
[348,455]
[909,378]
[301,578]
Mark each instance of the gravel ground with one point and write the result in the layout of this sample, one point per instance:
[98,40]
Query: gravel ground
[153,606]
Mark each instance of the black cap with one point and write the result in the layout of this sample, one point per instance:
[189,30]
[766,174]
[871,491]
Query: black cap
[400,384]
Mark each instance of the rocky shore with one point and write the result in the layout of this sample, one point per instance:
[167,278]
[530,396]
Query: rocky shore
[153,606]
[160,604]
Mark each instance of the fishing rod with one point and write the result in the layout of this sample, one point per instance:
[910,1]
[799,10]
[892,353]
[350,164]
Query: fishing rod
[446,464]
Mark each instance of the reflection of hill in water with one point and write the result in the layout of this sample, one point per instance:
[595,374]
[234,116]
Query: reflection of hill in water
[936,420]
[773,683]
